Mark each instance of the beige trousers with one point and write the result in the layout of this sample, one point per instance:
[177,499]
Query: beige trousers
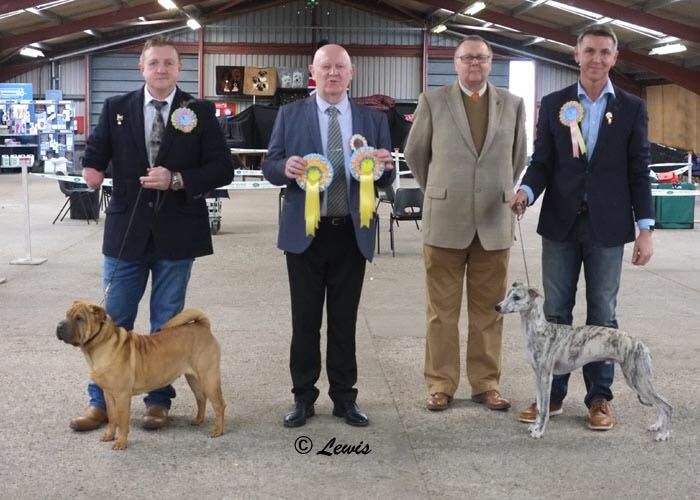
[486,275]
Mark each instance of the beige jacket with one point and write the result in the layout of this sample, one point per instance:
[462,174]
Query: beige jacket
[466,193]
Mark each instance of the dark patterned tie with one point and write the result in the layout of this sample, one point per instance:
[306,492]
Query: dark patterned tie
[337,203]
[157,131]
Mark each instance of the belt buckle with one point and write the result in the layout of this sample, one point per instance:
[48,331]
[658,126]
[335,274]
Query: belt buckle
[337,221]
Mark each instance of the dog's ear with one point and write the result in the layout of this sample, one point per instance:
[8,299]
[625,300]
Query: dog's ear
[97,311]
[533,293]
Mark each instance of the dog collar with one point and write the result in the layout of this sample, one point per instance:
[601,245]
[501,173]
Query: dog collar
[95,335]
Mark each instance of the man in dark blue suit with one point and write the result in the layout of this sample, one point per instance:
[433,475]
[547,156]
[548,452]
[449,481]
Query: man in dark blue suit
[167,151]
[594,192]
[330,264]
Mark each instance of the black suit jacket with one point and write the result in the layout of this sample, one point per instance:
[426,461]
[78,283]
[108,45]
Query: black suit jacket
[615,179]
[170,224]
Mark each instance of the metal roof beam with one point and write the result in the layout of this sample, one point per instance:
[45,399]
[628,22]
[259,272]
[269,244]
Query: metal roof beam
[11,6]
[98,21]
[684,77]
[684,31]
[656,4]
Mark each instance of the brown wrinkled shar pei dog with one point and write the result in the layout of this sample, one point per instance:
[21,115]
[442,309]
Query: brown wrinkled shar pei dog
[124,363]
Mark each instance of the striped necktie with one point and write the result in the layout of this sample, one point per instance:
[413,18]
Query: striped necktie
[337,203]
[157,131]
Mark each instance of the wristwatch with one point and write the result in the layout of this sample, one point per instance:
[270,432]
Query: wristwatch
[176,181]
[650,228]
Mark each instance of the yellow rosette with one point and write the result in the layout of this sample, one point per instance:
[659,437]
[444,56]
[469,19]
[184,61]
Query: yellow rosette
[570,114]
[366,169]
[316,178]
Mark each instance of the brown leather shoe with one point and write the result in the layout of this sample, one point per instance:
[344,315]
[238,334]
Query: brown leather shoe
[438,401]
[155,418]
[600,415]
[492,400]
[529,415]
[92,419]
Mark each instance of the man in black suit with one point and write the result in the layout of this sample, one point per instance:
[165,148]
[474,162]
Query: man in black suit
[595,188]
[331,263]
[167,151]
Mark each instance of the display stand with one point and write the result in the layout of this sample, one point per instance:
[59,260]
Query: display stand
[27,260]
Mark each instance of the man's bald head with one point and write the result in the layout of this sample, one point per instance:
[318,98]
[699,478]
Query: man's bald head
[332,69]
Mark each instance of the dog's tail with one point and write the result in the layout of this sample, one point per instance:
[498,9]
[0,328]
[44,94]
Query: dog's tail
[187,316]
[642,355]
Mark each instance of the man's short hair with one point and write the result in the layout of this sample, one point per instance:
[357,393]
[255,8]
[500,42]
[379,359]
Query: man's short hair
[158,41]
[598,30]
[475,38]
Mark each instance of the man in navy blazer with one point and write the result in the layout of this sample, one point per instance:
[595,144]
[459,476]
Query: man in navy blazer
[593,195]
[331,263]
[167,151]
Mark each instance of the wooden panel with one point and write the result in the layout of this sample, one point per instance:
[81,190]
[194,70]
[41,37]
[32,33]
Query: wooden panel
[673,116]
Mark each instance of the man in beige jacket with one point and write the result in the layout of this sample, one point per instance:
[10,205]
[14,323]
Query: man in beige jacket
[466,150]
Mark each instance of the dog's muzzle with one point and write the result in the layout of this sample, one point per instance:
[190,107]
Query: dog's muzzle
[63,332]
[498,307]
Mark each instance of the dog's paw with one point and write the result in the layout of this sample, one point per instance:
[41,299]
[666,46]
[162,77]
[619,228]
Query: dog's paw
[662,436]
[216,433]
[196,421]
[654,427]
[535,431]
[119,445]
[107,436]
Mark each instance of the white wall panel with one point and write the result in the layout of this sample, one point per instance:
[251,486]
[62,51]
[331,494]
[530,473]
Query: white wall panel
[397,77]
[39,77]
[551,77]
[73,77]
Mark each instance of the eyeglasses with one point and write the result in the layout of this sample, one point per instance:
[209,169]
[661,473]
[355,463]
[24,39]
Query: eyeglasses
[466,59]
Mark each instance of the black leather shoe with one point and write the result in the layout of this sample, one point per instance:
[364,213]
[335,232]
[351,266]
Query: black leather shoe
[351,413]
[297,417]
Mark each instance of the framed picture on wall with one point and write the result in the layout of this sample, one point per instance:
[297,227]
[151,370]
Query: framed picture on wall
[229,80]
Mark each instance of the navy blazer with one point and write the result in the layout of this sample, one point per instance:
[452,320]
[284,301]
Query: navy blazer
[615,179]
[176,222]
[297,132]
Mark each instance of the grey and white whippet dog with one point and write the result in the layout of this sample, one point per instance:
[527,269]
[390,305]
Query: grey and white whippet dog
[554,349]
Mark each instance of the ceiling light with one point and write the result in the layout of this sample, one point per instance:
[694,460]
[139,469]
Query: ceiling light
[474,8]
[439,28]
[167,4]
[667,49]
[33,10]
[141,18]
[538,39]
[30,52]
[193,24]
[89,32]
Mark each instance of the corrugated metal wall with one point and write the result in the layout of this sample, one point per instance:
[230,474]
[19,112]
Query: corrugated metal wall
[442,72]
[550,78]
[114,74]
[398,77]
[40,78]
[279,24]
[73,78]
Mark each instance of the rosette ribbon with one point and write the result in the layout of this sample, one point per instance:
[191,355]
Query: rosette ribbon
[316,178]
[312,207]
[570,114]
[366,169]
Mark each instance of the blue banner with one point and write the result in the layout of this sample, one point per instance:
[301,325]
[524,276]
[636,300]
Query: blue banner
[16,92]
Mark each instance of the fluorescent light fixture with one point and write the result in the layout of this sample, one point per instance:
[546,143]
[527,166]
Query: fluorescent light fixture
[141,18]
[487,25]
[167,4]
[89,32]
[193,24]
[439,28]
[33,10]
[538,39]
[574,10]
[30,52]
[474,8]
[667,49]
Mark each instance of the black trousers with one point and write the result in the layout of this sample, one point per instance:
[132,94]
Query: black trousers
[331,268]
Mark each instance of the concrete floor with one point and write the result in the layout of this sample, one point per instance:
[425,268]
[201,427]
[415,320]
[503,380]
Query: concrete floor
[466,451]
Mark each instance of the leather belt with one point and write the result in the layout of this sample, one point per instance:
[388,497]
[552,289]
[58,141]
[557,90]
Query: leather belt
[335,221]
